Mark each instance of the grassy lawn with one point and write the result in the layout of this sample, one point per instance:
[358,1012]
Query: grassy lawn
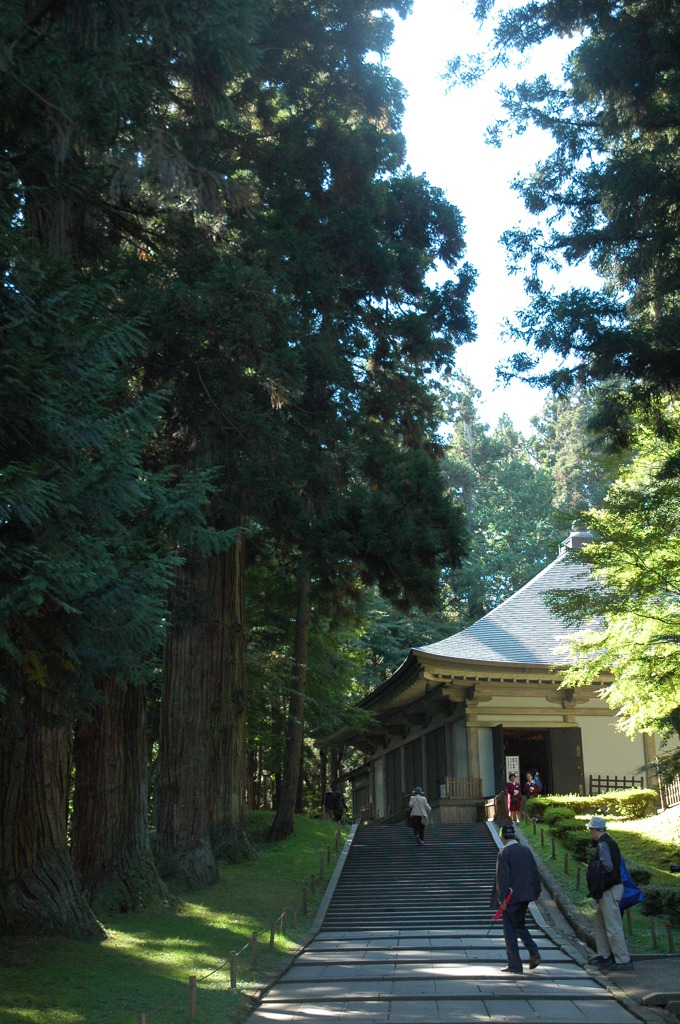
[146,960]
[652,842]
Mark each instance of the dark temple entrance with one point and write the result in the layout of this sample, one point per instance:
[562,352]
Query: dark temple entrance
[556,754]
[531,746]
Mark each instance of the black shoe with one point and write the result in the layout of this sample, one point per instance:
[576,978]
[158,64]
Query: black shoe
[512,970]
[613,966]
[534,961]
[599,961]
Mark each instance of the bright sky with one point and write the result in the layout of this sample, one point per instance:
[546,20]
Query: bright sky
[445,140]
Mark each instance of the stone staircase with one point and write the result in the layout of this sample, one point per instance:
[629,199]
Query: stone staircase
[390,881]
[407,936]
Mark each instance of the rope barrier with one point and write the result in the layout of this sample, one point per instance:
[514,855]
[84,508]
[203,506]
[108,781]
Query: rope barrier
[231,961]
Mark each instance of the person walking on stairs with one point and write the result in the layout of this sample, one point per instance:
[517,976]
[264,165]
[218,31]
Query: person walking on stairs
[418,814]
[517,884]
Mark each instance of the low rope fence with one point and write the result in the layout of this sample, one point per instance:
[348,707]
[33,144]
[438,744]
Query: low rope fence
[571,865]
[277,925]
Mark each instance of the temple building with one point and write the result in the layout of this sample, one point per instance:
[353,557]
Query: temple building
[458,715]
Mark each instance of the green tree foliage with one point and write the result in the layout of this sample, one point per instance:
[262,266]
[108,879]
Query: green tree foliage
[607,195]
[577,457]
[86,151]
[349,239]
[634,606]
[508,498]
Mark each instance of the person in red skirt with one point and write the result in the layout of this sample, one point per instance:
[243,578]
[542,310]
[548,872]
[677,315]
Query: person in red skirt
[514,792]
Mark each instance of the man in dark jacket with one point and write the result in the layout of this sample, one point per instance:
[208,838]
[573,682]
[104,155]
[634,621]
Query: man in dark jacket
[517,883]
[606,890]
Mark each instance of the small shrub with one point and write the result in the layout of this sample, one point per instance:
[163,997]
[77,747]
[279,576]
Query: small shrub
[561,826]
[640,875]
[662,901]
[535,807]
[553,815]
[578,842]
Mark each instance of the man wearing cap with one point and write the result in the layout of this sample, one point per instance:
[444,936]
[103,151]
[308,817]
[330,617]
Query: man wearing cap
[605,888]
[517,883]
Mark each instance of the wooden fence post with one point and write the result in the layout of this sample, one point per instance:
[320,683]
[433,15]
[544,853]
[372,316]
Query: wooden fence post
[542,837]
[192,997]
[552,840]
[253,950]
[629,921]
[283,921]
[313,886]
[232,968]
[141,1018]
[272,932]
[578,877]
[669,933]
[304,901]
[652,928]
[566,863]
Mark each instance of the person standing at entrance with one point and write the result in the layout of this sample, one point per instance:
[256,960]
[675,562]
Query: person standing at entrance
[531,786]
[419,807]
[514,797]
[605,888]
[517,884]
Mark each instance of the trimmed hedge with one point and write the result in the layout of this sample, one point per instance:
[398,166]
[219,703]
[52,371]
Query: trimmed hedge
[619,803]
[552,816]
[662,901]
[578,842]
[639,875]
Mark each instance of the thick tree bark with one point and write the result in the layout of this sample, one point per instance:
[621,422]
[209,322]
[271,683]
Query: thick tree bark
[39,891]
[226,725]
[282,825]
[184,851]
[111,847]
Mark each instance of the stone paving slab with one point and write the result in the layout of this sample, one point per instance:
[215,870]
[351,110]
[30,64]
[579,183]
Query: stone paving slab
[417,1011]
[407,975]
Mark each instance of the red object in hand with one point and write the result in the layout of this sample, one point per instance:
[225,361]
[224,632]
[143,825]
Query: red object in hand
[499,912]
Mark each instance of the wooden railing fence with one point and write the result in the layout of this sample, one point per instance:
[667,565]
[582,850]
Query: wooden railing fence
[670,793]
[463,789]
[605,783]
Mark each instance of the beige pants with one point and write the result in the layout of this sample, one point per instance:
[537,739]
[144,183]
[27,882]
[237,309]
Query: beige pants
[608,926]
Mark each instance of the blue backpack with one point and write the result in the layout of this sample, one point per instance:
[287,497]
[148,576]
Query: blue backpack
[631,893]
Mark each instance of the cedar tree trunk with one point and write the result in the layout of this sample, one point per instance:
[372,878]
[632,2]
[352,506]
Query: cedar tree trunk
[226,725]
[184,851]
[282,825]
[111,848]
[39,891]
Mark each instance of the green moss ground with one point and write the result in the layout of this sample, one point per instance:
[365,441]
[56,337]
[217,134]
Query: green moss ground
[147,958]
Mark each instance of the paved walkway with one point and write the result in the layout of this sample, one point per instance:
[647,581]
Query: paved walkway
[414,974]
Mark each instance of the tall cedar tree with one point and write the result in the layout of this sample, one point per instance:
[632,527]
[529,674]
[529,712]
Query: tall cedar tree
[83,567]
[609,195]
[270,331]
[349,237]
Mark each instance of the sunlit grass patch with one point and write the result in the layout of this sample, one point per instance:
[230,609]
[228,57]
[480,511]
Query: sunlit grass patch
[147,958]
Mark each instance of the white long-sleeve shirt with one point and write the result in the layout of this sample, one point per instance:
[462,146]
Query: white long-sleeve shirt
[419,805]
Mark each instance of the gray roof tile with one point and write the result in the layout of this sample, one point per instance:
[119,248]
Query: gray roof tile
[521,630]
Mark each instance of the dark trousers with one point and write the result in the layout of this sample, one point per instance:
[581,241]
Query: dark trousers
[418,826]
[514,928]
